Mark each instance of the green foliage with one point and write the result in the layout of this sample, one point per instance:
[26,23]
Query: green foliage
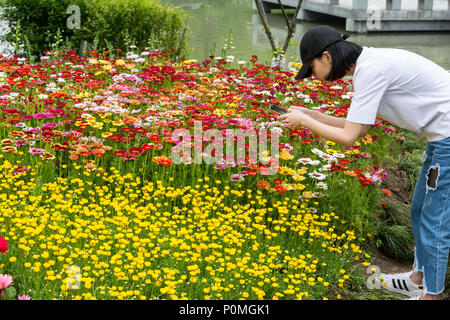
[396,241]
[395,231]
[411,163]
[413,142]
[112,23]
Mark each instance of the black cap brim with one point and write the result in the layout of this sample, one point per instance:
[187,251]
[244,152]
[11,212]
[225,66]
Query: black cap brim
[305,71]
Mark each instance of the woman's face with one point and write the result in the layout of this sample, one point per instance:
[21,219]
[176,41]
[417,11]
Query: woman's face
[321,67]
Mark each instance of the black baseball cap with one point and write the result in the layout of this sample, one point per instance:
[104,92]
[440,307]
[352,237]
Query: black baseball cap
[315,41]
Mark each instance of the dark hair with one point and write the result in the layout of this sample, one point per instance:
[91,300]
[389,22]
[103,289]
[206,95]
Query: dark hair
[344,55]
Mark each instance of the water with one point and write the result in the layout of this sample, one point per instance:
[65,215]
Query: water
[211,20]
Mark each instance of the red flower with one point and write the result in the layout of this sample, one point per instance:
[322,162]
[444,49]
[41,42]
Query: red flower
[154,137]
[136,150]
[280,189]
[277,181]
[263,184]
[119,153]
[162,160]
[3,245]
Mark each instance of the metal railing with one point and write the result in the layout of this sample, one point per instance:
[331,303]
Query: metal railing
[390,4]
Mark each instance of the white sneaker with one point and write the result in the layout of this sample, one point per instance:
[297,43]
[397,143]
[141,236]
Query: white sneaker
[401,283]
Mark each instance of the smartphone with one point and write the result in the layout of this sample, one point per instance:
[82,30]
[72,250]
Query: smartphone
[277,109]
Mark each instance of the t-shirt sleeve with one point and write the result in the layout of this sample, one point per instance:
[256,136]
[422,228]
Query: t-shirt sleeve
[369,88]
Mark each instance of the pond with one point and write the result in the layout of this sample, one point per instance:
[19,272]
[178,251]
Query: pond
[212,20]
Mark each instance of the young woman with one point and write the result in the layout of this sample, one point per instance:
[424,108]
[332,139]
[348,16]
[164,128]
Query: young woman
[412,93]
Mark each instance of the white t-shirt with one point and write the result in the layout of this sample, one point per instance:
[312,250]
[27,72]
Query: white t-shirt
[404,88]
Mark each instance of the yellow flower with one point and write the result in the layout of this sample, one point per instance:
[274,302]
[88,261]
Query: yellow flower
[120,62]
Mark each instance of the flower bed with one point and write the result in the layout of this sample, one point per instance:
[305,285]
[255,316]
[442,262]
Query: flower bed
[94,207]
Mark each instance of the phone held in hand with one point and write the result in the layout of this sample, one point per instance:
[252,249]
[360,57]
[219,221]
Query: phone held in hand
[277,109]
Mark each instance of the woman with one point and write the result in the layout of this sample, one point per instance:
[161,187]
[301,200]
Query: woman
[412,93]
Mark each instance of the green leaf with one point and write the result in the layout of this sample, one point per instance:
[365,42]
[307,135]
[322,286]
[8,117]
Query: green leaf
[10,293]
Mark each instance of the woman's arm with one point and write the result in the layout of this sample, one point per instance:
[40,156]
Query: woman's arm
[329,120]
[345,135]
[325,119]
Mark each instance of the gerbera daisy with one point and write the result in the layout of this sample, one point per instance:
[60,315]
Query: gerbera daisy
[317,175]
[304,160]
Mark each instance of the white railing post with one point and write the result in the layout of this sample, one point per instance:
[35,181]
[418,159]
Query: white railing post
[425,5]
[393,4]
[360,5]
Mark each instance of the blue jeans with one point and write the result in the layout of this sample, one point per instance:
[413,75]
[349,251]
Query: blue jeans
[430,216]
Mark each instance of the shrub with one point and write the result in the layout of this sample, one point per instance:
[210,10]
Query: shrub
[105,24]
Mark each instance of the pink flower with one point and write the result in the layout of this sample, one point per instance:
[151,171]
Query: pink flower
[23,298]
[3,245]
[5,281]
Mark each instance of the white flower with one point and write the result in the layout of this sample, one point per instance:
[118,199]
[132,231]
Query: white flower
[132,56]
[304,160]
[327,157]
[322,185]
[241,62]
[325,168]
[317,175]
[312,210]
[317,151]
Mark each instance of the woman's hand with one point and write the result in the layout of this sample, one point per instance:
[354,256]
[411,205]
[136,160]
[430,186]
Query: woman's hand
[295,117]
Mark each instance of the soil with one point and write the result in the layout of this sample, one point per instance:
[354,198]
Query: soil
[397,182]
[389,265]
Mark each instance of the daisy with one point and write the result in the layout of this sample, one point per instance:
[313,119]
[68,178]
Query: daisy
[317,151]
[317,194]
[304,160]
[326,157]
[317,175]
[322,185]
[236,177]
[5,281]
